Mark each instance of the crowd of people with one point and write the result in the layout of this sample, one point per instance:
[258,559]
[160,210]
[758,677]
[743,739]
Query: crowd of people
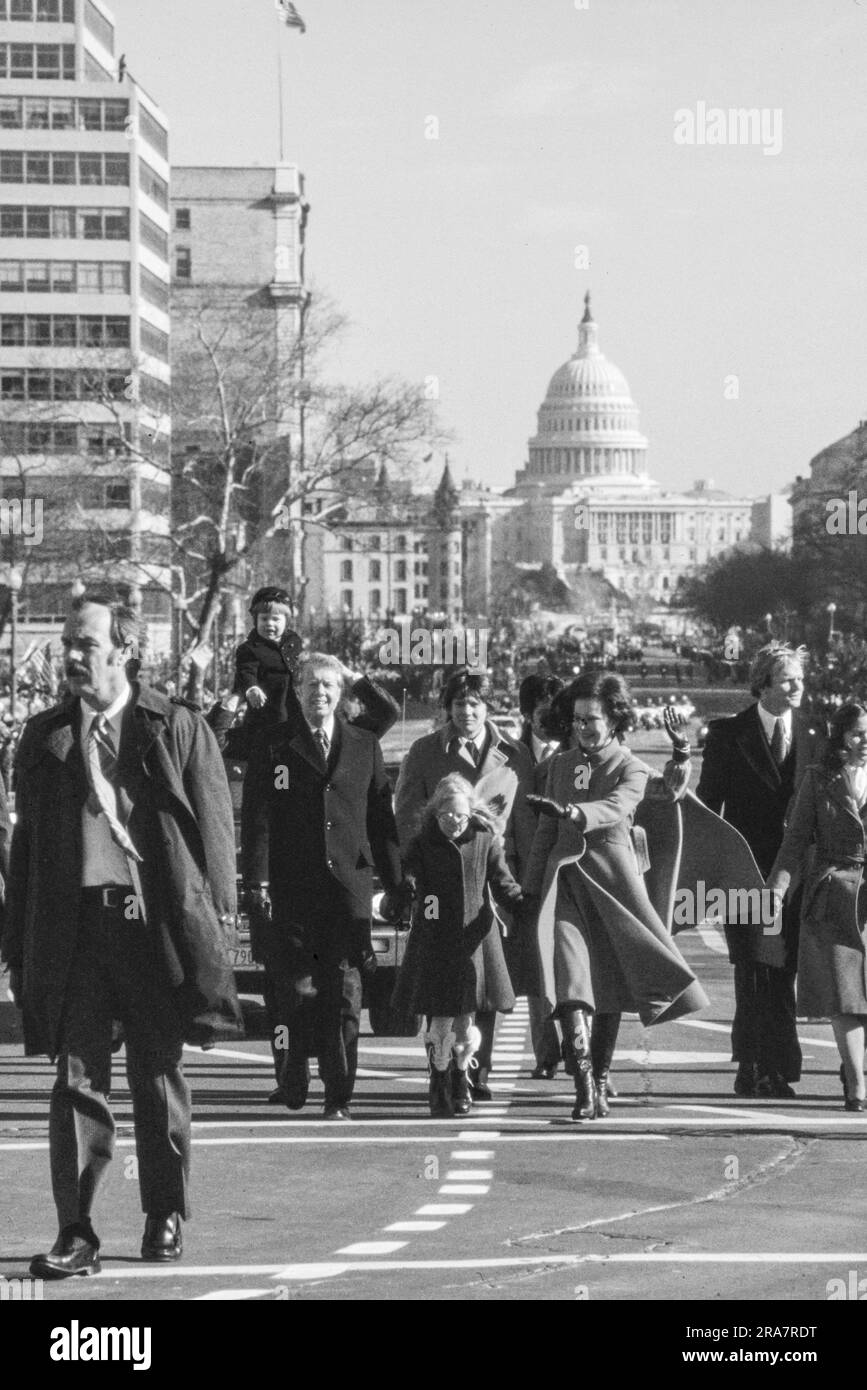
[546,866]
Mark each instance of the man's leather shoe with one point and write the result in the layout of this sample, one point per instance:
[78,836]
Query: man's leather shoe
[74,1252]
[163,1239]
[479,1088]
[543,1073]
[745,1081]
[854,1104]
[774,1087]
[336,1112]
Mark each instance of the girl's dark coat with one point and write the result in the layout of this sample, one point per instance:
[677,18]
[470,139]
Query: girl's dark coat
[454,962]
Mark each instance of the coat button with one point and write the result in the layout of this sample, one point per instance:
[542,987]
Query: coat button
[328,825]
[330,863]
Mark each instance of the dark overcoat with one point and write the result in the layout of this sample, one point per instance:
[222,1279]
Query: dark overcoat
[454,962]
[832,958]
[174,798]
[619,952]
[316,832]
[259,661]
[741,781]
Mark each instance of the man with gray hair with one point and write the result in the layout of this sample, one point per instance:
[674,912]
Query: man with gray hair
[316,819]
[753,765]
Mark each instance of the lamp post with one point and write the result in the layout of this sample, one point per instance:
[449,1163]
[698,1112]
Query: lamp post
[831,610]
[769,618]
[77,588]
[15,580]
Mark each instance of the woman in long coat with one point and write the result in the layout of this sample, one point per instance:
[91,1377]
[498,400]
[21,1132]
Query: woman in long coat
[828,829]
[603,949]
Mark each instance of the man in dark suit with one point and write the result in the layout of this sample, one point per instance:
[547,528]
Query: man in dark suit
[753,764]
[121,906]
[500,770]
[316,818]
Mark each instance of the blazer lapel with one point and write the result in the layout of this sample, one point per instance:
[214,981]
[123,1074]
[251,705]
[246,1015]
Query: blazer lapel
[754,748]
[841,789]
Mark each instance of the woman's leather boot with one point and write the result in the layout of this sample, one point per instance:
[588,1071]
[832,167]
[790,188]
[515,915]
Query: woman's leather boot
[603,1038]
[576,1059]
[440,1087]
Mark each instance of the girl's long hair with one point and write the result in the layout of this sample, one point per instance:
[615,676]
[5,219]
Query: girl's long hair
[446,790]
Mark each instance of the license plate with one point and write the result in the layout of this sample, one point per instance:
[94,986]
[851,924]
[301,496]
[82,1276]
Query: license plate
[242,957]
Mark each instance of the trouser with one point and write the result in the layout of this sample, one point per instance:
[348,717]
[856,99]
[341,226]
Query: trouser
[486,1022]
[544,1035]
[326,1027]
[764,1028]
[116,975]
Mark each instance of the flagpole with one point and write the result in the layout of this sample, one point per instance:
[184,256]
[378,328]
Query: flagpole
[280,97]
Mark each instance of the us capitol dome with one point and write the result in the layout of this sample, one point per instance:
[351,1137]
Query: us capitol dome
[585,501]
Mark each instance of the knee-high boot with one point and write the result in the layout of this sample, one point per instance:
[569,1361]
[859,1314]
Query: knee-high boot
[603,1038]
[576,1059]
[439,1056]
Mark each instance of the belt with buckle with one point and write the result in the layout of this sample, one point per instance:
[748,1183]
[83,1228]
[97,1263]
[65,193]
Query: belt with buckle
[108,894]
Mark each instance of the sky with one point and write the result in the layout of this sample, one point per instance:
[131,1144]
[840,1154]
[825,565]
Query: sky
[728,279]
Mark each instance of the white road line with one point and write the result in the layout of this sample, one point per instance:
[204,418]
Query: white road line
[469,1174]
[464,1189]
[415,1226]
[476,1134]
[373,1247]
[726,1028]
[467,1154]
[444,1209]
[549,1137]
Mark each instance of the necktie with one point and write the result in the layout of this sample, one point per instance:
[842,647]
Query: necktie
[778,743]
[322,743]
[473,751]
[101,765]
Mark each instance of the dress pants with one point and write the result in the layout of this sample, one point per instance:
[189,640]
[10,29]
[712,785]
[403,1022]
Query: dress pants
[116,975]
[764,1028]
[326,1027]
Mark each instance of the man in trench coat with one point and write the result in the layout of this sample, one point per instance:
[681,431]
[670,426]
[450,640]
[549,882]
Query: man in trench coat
[121,904]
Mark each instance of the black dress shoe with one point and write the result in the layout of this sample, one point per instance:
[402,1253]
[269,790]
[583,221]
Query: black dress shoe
[543,1073]
[75,1251]
[163,1239]
[745,1081]
[853,1103]
[479,1088]
[336,1112]
[774,1087]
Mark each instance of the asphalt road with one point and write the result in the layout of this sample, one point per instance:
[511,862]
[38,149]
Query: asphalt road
[684,1193]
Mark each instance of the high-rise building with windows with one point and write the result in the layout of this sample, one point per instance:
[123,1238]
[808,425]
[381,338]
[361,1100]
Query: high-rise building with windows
[84,312]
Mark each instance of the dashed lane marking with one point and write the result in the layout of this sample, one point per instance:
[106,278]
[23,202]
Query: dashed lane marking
[373,1247]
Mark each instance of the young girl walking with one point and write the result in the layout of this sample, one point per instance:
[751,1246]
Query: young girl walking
[454,963]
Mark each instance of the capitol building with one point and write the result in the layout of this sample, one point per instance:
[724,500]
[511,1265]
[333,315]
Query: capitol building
[586,503]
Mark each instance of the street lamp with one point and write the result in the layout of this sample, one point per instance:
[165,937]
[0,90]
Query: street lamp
[14,580]
[831,610]
[769,618]
[78,588]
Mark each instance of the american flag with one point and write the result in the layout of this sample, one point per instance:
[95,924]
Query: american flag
[40,665]
[290,16]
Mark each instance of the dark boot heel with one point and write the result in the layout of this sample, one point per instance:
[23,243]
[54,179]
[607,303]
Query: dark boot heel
[603,1109]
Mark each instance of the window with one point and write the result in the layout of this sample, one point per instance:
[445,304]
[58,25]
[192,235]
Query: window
[115,115]
[375,570]
[88,277]
[155,134]
[63,168]
[152,185]
[11,222]
[154,237]
[65,330]
[38,277]
[400,569]
[115,277]
[11,168]
[183,263]
[61,222]
[117,170]
[346,599]
[400,543]
[63,277]
[90,168]
[48,11]
[12,386]
[10,113]
[400,600]
[116,226]
[39,386]
[99,26]
[117,332]
[154,341]
[346,570]
[11,277]
[153,289]
[22,60]
[12,330]
[182,215]
[48,61]
[117,494]
[90,113]
[375,601]
[38,168]
[21,9]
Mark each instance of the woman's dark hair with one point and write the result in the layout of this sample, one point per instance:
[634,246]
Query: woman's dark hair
[557,721]
[843,722]
[466,682]
[611,691]
[536,690]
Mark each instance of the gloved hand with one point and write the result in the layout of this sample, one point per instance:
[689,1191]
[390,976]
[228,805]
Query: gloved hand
[673,720]
[369,962]
[256,697]
[546,807]
[396,905]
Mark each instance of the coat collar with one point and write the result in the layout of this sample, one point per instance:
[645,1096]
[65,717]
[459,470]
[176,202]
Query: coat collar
[840,789]
[147,709]
[498,747]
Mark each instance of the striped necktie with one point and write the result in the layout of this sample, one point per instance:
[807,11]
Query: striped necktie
[778,743]
[101,766]
[322,743]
